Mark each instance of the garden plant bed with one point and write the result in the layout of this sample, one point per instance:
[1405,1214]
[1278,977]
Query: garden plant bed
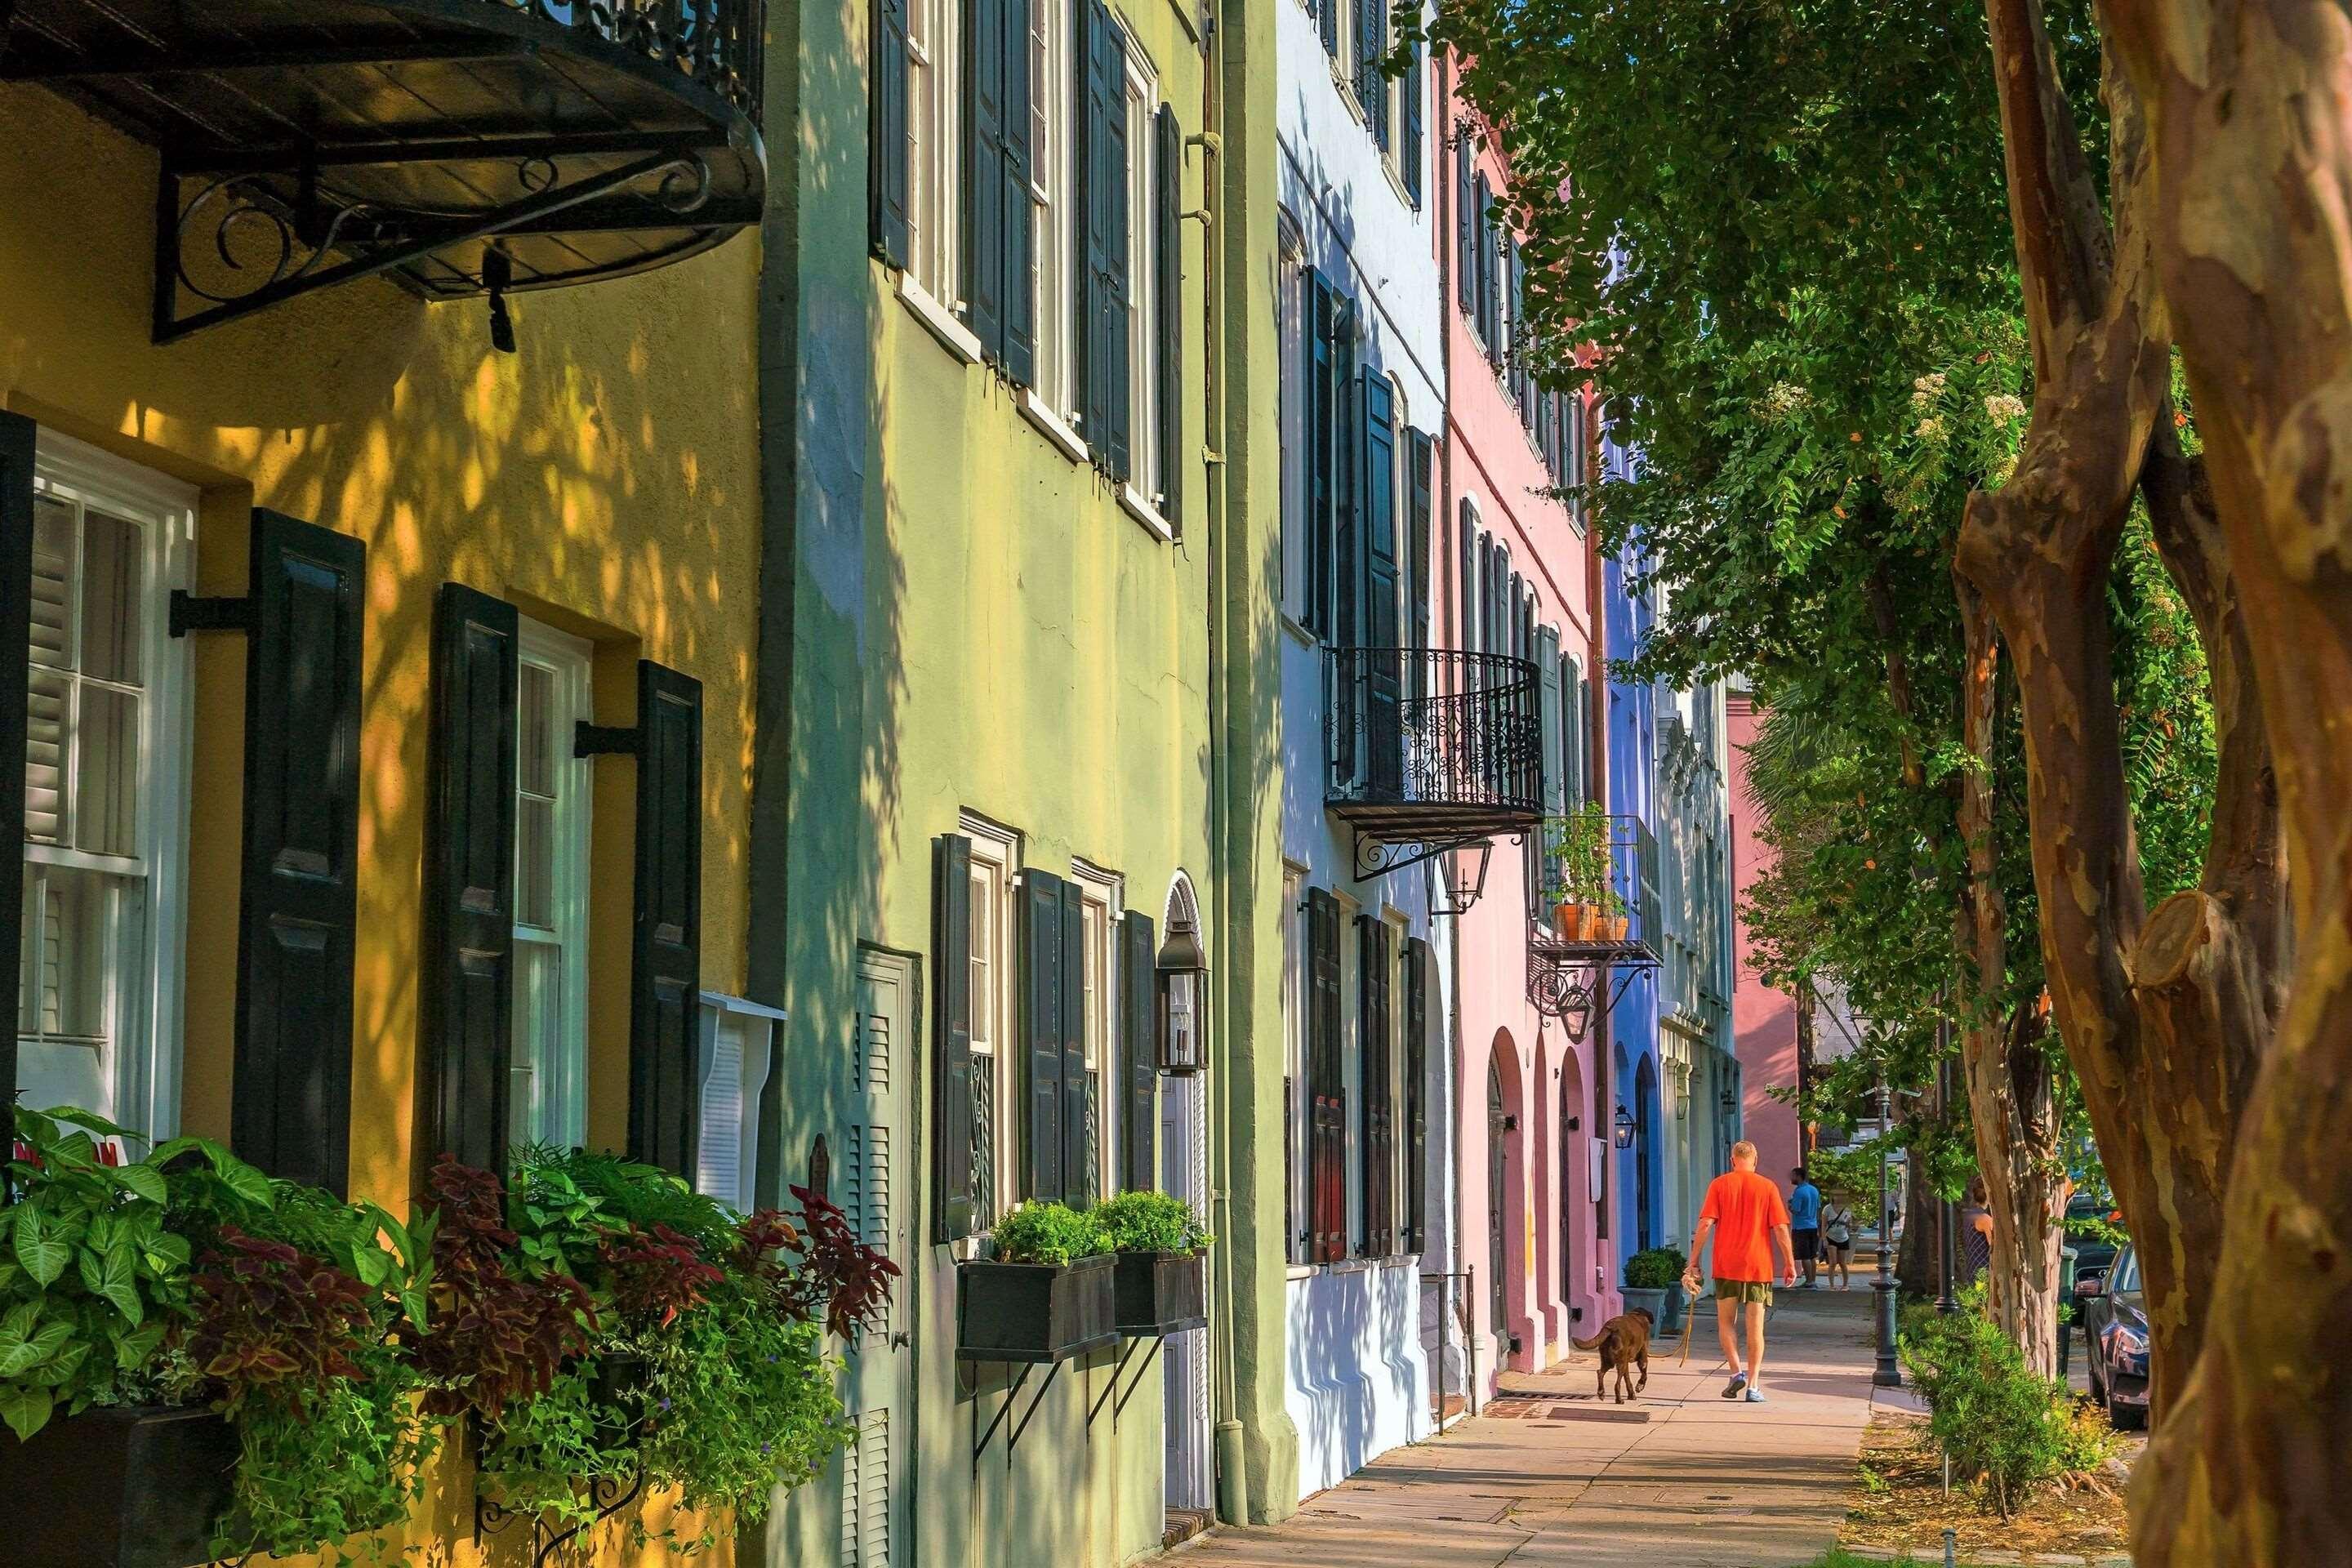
[1899,1503]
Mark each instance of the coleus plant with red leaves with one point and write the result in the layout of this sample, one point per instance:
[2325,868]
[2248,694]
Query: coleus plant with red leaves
[654,1276]
[818,1267]
[272,1320]
[497,1333]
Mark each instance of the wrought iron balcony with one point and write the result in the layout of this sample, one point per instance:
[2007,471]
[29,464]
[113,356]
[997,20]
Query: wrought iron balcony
[1430,749]
[458,147]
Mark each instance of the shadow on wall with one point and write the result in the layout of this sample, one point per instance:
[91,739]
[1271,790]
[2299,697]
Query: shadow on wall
[1359,1383]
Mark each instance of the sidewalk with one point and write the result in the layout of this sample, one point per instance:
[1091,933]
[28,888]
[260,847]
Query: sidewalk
[1546,1477]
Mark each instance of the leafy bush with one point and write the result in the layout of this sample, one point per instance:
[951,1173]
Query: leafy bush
[1655,1268]
[1152,1221]
[1043,1232]
[1999,1422]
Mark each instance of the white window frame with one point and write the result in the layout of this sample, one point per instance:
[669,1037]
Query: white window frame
[1051,83]
[1290,329]
[995,863]
[934,133]
[1104,895]
[146,1076]
[1148,483]
[563,1082]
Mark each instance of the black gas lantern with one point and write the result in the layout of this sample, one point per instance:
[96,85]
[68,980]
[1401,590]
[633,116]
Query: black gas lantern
[1622,1123]
[1730,1099]
[1184,980]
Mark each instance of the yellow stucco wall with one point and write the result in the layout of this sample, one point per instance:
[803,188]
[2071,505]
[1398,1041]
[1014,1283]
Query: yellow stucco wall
[605,479]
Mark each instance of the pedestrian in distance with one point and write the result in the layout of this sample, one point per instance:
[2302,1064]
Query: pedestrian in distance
[1749,1222]
[1805,1224]
[1837,1240]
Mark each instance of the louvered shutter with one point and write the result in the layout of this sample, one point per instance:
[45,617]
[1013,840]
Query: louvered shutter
[951,1085]
[718,1156]
[665,969]
[1379,1144]
[984,192]
[1371,86]
[1041,1027]
[1420,503]
[887,162]
[1466,223]
[1167,298]
[466,973]
[1377,556]
[1102,166]
[1327,15]
[1327,1131]
[1081,1159]
[1411,93]
[1416,1095]
[292,1089]
[1118,292]
[1140,998]
[1020,291]
[1481,200]
[17,436]
[1323,392]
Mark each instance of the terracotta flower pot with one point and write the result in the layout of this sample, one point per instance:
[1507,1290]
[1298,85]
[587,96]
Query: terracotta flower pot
[1563,920]
[1618,925]
[1588,917]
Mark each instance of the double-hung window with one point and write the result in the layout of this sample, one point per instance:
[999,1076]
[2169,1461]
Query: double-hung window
[934,109]
[1100,895]
[1052,188]
[548,1088]
[995,1006]
[1142,285]
[105,776]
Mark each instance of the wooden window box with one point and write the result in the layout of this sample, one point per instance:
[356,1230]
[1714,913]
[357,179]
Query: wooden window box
[137,1487]
[1030,1312]
[1161,1293]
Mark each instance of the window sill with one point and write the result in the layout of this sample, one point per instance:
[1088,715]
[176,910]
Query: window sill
[1145,513]
[1304,637]
[1050,425]
[1185,14]
[1396,180]
[938,321]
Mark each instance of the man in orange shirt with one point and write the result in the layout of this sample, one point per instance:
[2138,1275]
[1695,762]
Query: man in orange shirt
[1749,1220]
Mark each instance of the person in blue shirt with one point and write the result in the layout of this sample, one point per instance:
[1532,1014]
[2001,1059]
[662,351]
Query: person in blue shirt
[1805,1226]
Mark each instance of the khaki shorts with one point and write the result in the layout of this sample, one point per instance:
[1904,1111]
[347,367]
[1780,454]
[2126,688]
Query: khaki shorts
[1744,1291]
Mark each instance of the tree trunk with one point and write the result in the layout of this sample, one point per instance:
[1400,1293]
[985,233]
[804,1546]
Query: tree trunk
[1807,1129]
[2159,1016]
[1915,1259]
[2253,159]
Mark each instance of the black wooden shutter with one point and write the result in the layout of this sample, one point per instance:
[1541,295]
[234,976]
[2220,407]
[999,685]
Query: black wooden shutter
[1410,154]
[1328,16]
[1487,325]
[1416,1094]
[1421,501]
[1102,172]
[1140,998]
[466,973]
[1466,223]
[985,191]
[951,1064]
[665,969]
[1169,301]
[291,1108]
[1327,1090]
[1040,1025]
[1080,1157]
[16,438]
[1118,291]
[887,126]
[1379,1144]
[1323,394]
[1020,294]
[1371,86]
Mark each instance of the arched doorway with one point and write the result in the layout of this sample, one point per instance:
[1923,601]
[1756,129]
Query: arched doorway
[1571,1152]
[1497,1231]
[1645,1153]
[1185,1171]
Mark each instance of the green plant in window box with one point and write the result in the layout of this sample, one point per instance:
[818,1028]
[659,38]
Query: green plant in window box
[1152,1221]
[1655,1268]
[1042,1232]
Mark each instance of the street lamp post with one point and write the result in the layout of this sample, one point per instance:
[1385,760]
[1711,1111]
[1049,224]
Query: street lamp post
[1948,1262]
[1889,1374]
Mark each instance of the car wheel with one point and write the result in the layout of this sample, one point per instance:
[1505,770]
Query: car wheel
[2125,1417]
[2091,1369]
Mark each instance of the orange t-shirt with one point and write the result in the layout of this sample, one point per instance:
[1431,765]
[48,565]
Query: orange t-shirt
[1745,1207]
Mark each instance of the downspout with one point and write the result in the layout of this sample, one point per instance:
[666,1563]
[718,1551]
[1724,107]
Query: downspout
[1443,540]
[1232,1476]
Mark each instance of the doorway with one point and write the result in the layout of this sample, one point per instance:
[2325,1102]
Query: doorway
[1497,1298]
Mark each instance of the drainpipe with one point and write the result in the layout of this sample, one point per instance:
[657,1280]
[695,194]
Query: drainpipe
[1231,1481]
[1596,721]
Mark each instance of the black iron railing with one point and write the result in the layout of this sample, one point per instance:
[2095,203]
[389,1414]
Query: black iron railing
[1633,856]
[716,42]
[1431,731]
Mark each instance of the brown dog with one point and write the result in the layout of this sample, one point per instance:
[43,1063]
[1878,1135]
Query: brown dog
[1625,1343]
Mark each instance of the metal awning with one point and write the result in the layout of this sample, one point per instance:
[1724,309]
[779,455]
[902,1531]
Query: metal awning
[458,147]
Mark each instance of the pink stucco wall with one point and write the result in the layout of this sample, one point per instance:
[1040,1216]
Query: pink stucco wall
[1763,1020]
[1489,461]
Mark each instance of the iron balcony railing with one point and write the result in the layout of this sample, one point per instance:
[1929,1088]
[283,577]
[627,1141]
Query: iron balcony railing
[1433,743]
[716,42]
[1632,878]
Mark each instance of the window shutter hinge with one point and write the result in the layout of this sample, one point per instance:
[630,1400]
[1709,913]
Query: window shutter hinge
[1216,459]
[1202,213]
[1208,142]
[606,741]
[191,613]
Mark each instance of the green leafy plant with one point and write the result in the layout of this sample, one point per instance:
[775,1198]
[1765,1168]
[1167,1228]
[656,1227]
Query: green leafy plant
[1999,1422]
[1043,1232]
[1656,1268]
[1152,1221]
[92,1279]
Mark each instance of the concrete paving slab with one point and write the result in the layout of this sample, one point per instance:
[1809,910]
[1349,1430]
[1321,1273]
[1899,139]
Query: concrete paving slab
[1703,1482]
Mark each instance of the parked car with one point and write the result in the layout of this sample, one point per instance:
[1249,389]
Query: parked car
[2115,1331]
[2095,1251]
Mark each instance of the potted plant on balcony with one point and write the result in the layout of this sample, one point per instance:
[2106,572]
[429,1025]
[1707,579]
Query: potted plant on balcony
[1611,920]
[1161,1279]
[1045,1296]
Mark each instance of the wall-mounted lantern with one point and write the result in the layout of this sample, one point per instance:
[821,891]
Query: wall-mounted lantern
[1622,1122]
[1184,979]
[1730,1099]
